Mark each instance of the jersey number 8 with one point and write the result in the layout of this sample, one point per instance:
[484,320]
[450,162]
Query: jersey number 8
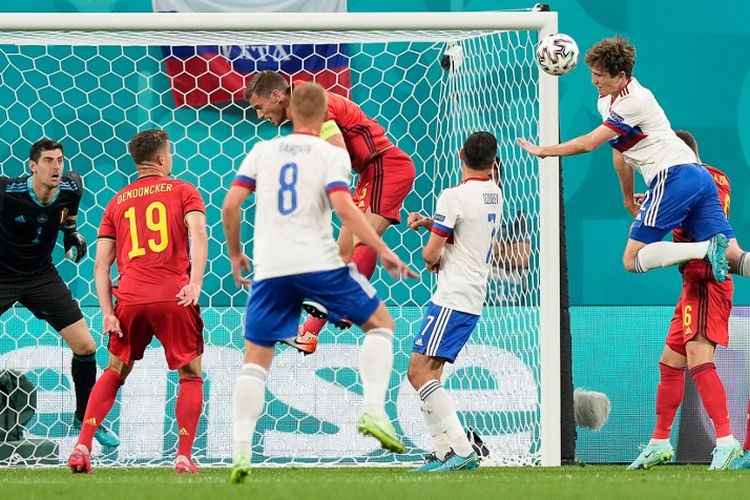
[287,196]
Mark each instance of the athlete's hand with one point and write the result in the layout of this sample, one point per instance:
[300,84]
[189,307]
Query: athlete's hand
[240,263]
[395,266]
[433,268]
[417,220]
[111,325]
[188,295]
[633,205]
[75,246]
[530,148]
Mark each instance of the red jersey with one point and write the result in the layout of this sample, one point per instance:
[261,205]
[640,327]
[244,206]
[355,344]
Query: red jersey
[364,137]
[146,219]
[697,268]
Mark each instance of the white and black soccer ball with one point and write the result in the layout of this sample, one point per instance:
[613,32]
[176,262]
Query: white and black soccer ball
[557,54]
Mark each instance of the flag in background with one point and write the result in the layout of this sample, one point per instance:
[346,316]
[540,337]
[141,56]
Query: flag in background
[207,74]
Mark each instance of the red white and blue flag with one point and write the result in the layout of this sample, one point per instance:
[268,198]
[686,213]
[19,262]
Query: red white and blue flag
[207,74]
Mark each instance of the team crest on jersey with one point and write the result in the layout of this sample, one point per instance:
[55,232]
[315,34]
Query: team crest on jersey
[41,219]
[616,117]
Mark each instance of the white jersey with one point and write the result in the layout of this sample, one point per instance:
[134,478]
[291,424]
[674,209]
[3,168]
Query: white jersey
[292,177]
[469,215]
[646,138]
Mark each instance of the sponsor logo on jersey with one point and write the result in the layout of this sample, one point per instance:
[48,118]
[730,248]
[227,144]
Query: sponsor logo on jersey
[439,218]
[418,342]
[20,219]
[41,219]
[616,117]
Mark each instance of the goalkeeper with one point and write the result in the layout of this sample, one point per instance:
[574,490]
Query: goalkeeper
[33,209]
[386,176]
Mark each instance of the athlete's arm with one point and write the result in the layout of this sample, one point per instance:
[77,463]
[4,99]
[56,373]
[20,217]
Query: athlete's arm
[626,177]
[230,214]
[346,244]
[354,219]
[581,144]
[432,251]
[105,256]
[332,133]
[417,220]
[196,223]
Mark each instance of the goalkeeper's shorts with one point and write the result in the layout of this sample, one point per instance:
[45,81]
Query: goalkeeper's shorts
[444,332]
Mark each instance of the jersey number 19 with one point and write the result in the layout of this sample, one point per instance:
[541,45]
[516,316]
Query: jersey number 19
[156,221]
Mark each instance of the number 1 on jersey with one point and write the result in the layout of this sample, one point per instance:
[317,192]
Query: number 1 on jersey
[156,224]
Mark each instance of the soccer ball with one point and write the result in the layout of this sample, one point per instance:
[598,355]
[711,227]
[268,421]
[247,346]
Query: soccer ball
[557,54]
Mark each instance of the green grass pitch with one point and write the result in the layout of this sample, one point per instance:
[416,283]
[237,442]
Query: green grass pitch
[590,482]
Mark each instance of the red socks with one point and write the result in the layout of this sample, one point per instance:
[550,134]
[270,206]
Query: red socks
[669,396]
[100,402]
[713,397]
[365,260]
[188,411]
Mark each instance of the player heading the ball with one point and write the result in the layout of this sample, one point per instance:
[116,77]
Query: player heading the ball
[681,192]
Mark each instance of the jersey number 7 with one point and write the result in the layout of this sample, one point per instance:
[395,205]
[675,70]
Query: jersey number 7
[491,218]
[156,221]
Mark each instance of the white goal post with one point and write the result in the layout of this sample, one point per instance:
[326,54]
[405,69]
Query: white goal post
[93,80]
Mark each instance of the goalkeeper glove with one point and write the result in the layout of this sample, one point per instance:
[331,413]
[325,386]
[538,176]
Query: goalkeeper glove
[73,242]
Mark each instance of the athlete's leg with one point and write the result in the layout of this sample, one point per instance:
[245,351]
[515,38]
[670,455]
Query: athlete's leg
[100,403]
[249,400]
[375,367]
[188,412]
[359,254]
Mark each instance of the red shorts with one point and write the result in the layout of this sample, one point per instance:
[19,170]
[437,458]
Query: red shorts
[704,307]
[384,184]
[178,328]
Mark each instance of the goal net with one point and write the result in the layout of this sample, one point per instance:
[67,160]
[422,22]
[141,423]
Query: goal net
[430,88]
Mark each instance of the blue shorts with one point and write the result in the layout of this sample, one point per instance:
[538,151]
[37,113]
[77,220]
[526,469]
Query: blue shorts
[681,196]
[275,304]
[444,332]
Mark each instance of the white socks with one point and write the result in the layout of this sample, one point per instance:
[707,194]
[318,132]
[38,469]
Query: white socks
[725,440]
[442,420]
[249,399]
[375,366]
[658,441]
[668,253]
